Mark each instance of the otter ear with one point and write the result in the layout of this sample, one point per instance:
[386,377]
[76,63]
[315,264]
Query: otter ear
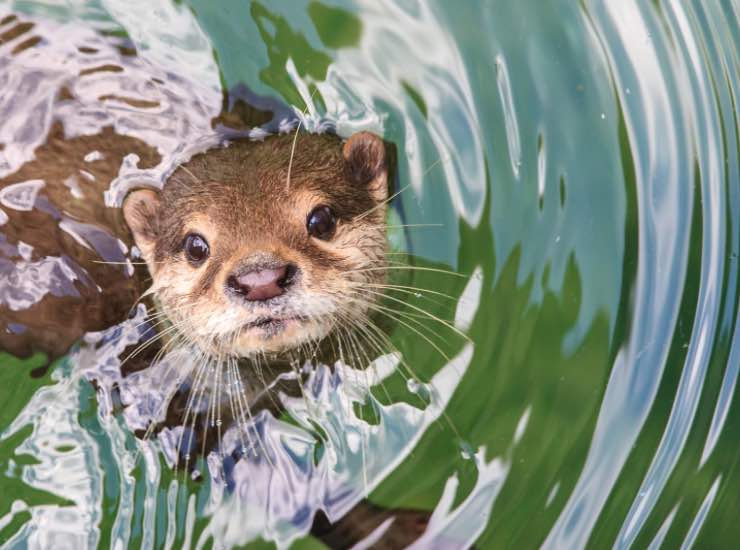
[366,160]
[141,212]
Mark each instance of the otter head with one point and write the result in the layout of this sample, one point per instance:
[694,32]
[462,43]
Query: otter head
[266,246]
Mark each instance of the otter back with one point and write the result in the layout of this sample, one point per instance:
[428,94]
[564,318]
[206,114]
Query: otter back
[56,233]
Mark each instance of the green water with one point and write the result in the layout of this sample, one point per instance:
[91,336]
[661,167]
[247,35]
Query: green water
[582,158]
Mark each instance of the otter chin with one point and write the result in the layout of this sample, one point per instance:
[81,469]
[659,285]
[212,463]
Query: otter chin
[266,246]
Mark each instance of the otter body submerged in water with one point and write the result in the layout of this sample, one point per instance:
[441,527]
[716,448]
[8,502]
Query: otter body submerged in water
[253,248]
[259,249]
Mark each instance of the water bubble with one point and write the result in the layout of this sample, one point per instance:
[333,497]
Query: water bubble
[467,452]
[603,116]
[412,385]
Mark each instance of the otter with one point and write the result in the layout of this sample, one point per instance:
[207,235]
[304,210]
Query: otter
[252,247]
[261,247]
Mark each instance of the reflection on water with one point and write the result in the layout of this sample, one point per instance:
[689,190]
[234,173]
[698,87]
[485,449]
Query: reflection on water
[582,161]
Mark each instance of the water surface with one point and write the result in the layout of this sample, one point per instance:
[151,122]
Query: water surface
[581,160]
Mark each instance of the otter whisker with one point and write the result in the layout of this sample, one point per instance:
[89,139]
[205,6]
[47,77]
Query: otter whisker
[189,173]
[299,379]
[101,262]
[149,342]
[196,410]
[363,443]
[362,325]
[167,399]
[243,397]
[408,225]
[233,388]
[394,195]
[381,204]
[209,408]
[407,267]
[412,328]
[152,317]
[219,419]
[261,374]
[194,395]
[160,335]
[360,296]
[147,292]
[194,400]
[410,372]
[127,262]
[199,367]
[295,139]
[243,427]
[243,403]
[149,318]
[421,311]
[412,290]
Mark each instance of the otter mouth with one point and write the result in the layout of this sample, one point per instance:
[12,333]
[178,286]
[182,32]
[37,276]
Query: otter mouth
[273,325]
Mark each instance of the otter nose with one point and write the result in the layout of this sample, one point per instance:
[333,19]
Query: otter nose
[262,284]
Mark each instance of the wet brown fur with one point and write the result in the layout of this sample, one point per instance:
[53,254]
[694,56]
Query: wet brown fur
[56,322]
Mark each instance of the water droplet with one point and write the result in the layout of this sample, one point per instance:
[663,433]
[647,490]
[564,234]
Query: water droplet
[628,91]
[466,451]
[412,385]
[418,294]
[218,422]
[603,116]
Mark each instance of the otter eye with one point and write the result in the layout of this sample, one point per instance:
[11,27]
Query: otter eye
[321,223]
[196,248]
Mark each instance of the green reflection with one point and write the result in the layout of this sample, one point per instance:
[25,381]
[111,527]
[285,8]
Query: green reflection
[282,43]
[337,28]
[15,375]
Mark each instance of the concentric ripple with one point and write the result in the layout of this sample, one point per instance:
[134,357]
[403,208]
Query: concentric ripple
[578,163]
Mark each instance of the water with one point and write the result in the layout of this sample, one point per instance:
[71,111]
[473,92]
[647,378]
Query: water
[582,161]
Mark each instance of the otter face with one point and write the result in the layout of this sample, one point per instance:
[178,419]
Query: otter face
[251,252]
